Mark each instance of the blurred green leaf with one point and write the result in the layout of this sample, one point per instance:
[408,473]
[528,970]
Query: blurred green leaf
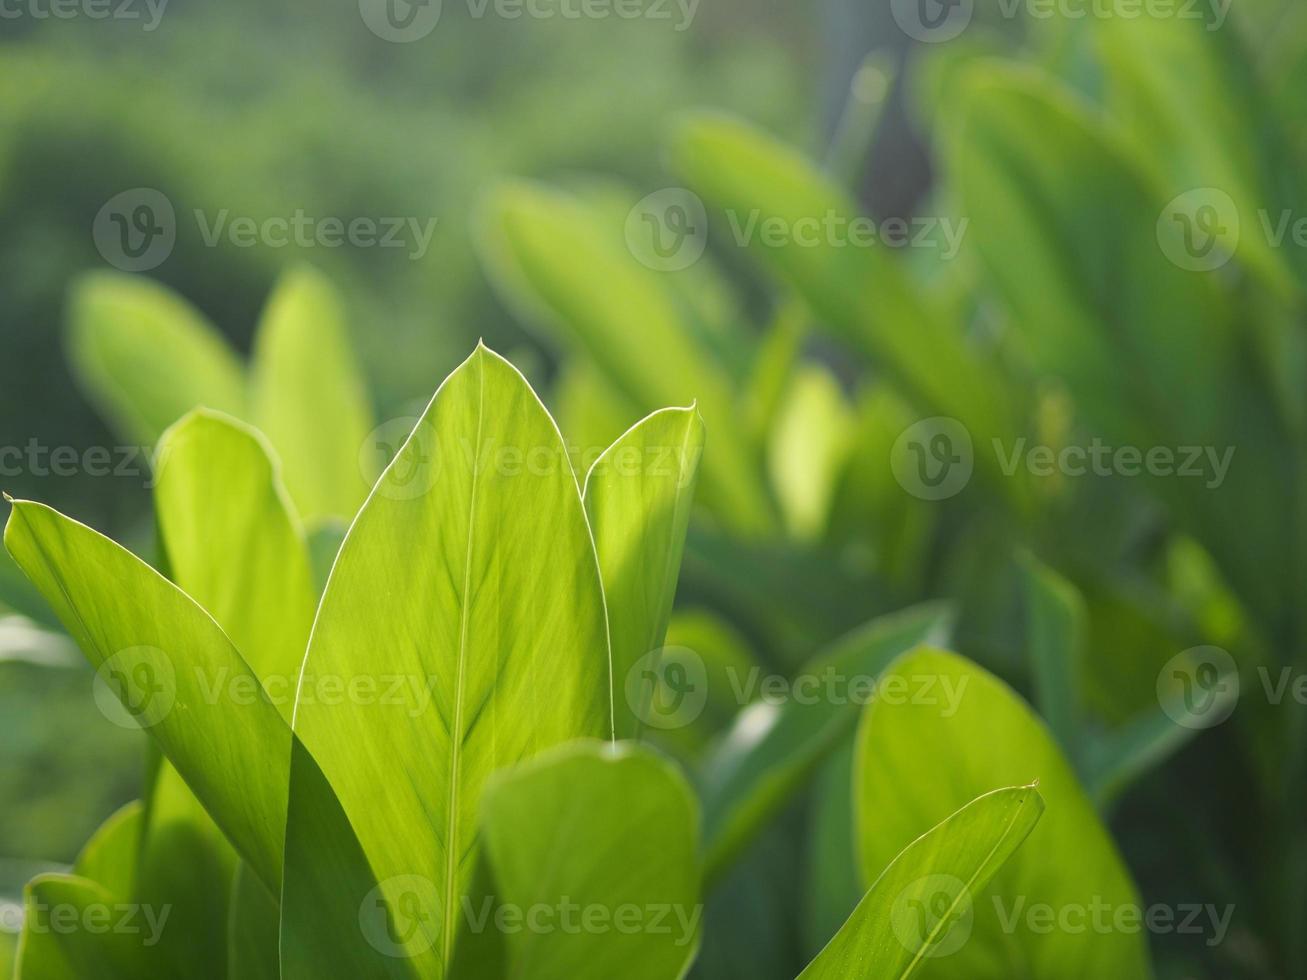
[941,731]
[146,357]
[87,949]
[808,448]
[111,857]
[861,292]
[308,397]
[1056,649]
[557,264]
[775,745]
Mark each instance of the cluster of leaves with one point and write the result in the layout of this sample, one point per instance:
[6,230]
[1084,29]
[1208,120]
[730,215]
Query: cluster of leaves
[297,837]
[1065,319]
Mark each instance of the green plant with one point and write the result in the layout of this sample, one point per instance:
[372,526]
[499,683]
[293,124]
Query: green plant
[296,832]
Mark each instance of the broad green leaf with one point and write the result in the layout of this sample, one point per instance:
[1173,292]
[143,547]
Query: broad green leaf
[252,952]
[1056,649]
[637,497]
[308,397]
[807,450]
[900,923]
[951,731]
[234,544]
[149,641]
[560,265]
[463,630]
[775,744]
[601,834]
[146,357]
[111,856]
[861,292]
[69,934]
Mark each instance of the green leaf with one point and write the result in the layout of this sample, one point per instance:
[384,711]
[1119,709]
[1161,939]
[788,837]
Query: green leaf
[943,732]
[252,952]
[897,926]
[68,934]
[146,357]
[186,866]
[600,834]
[773,747]
[469,577]
[234,545]
[152,641]
[1150,351]
[110,857]
[637,497]
[833,883]
[562,266]
[1056,648]
[308,397]
[809,444]
[1190,95]
[863,293]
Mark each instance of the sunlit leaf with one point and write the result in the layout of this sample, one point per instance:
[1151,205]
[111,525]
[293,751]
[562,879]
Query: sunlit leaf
[609,833]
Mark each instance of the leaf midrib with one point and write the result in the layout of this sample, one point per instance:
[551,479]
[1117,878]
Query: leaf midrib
[456,731]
